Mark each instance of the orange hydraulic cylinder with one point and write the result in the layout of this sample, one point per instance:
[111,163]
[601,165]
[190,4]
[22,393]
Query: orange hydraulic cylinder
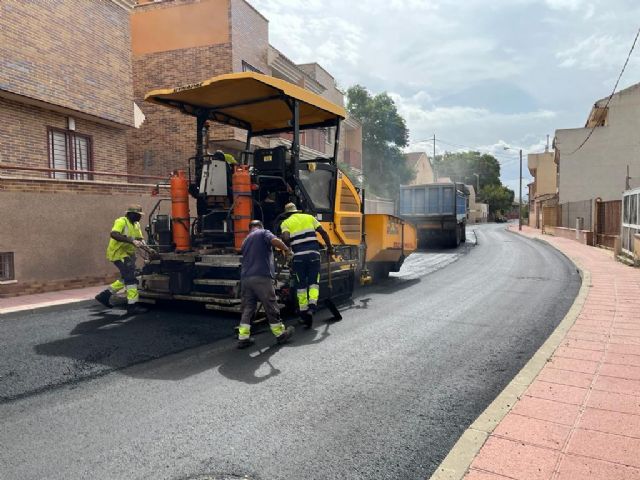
[180,221]
[242,204]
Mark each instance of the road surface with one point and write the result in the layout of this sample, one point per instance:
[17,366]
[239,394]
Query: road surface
[384,394]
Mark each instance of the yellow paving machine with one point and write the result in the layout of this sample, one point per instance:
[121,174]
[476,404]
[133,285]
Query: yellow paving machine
[198,256]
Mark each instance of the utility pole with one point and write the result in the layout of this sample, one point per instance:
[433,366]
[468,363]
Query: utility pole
[520,202]
[435,173]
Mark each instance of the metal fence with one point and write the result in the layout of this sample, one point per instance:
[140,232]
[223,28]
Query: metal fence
[608,222]
[576,213]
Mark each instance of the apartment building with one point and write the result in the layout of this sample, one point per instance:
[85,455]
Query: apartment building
[66,105]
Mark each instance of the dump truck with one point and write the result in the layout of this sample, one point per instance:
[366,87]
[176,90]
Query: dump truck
[439,211]
[197,256]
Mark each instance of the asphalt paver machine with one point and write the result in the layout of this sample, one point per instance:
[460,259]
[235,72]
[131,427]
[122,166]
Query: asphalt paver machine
[198,256]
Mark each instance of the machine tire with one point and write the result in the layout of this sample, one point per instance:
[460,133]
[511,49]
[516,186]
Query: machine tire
[379,271]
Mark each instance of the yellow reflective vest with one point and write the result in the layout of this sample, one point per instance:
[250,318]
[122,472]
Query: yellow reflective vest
[119,250]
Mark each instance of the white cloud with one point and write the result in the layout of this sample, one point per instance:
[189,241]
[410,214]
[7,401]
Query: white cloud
[550,60]
[565,4]
[594,52]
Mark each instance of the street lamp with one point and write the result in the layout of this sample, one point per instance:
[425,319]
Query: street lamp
[477,183]
[520,191]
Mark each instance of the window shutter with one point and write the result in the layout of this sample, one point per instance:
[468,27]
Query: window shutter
[58,153]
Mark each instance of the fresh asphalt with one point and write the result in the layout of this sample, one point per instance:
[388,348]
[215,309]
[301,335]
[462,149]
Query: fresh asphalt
[384,394]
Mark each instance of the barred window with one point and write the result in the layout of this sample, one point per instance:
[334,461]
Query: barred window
[6,267]
[69,150]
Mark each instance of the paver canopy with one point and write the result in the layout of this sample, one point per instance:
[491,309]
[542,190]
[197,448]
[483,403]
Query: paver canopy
[252,101]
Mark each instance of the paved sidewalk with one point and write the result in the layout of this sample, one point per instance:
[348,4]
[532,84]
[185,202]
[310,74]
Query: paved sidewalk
[580,418]
[40,300]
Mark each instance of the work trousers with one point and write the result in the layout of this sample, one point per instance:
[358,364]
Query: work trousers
[127,280]
[306,270]
[259,289]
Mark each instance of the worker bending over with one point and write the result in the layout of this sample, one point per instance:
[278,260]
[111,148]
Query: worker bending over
[126,235]
[256,283]
[299,231]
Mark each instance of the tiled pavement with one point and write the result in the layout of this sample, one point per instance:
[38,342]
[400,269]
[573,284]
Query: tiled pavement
[580,418]
[40,300]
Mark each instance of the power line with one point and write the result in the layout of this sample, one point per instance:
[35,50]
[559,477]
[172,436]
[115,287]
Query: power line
[612,93]
[509,159]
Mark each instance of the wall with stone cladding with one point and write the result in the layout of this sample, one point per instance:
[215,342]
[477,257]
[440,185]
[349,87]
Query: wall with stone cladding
[23,139]
[75,54]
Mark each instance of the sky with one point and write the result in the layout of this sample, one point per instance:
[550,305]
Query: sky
[485,74]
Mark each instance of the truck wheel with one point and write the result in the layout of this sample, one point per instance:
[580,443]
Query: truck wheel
[457,238]
[464,233]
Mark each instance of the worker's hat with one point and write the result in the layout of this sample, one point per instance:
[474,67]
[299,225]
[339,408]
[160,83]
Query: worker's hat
[135,208]
[290,208]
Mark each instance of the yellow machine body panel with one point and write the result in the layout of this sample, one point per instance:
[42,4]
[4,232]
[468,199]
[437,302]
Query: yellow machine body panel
[346,228]
[389,238]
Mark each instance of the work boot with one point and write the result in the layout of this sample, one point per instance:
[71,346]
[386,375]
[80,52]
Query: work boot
[103,297]
[245,342]
[286,335]
[306,319]
[135,309]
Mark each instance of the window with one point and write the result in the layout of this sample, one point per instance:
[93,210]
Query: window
[6,267]
[69,151]
[247,67]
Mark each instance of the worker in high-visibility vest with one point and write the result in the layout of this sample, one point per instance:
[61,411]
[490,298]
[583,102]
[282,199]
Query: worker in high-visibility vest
[299,231]
[126,236]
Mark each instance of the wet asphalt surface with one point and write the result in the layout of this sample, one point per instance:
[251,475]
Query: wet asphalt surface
[384,394]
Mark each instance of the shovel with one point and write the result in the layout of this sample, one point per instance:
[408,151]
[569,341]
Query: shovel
[337,316]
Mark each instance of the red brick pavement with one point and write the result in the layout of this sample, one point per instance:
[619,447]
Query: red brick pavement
[580,418]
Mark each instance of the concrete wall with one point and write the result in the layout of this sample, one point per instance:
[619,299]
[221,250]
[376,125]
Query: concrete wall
[599,168]
[543,167]
[582,236]
[327,80]
[162,27]
[59,235]
[48,52]
[419,162]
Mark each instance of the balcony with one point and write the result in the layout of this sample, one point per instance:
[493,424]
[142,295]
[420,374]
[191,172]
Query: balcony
[353,158]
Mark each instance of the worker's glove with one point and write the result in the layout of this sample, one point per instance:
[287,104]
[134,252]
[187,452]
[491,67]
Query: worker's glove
[138,243]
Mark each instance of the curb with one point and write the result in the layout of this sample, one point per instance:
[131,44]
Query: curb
[45,306]
[457,462]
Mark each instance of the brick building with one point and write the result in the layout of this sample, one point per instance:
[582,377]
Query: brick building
[66,103]
[180,42]
[77,140]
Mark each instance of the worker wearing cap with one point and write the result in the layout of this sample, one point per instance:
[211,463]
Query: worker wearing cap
[126,235]
[256,282]
[299,231]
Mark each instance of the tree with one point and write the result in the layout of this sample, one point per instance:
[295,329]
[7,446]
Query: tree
[499,197]
[461,167]
[384,134]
